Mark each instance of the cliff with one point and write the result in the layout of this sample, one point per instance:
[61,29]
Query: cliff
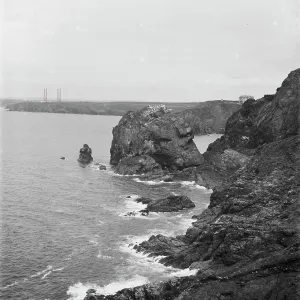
[151,140]
[210,116]
[245,245]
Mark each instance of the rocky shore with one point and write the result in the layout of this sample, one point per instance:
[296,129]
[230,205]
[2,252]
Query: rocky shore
[245,245]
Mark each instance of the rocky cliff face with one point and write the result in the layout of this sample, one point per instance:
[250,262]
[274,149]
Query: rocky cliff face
[209,116]
[85,156]
[153,138]
[245,245]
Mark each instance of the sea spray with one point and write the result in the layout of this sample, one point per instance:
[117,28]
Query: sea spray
[78,290]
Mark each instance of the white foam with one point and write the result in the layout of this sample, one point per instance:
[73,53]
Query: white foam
[104,257]
[10,285]
[93,242]
[59,269]
[149,182]
[48,273]
[182,273]
[113,287]
[78,290]
[193,184]
[42,272]
[132,205]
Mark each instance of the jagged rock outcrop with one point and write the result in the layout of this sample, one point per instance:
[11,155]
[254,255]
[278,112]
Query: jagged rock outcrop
[245,245]
[85,156]
[153,138]
[171,203]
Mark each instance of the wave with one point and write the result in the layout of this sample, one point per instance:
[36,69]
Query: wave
[78,290]
[10,285]
[42,272]
[145,265]
[104,257]
[132,205]
[193,184]
[150,182]
[48,273]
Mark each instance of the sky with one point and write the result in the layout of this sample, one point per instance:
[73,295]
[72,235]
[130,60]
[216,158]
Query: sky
[147,50]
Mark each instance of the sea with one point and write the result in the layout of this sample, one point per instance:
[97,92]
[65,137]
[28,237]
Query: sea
[64,228]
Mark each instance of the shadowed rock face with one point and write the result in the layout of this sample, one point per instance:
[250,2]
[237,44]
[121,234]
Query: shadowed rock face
[245,245]
[156,133]
[85,156]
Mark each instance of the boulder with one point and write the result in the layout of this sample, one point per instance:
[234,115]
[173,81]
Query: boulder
[85,156]
[170,203]
[153,139]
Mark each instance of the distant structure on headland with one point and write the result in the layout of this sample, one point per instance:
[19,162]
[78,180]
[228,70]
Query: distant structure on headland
[58,95]
[243,98]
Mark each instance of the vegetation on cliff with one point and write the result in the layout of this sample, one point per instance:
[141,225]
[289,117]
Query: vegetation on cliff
[245,245]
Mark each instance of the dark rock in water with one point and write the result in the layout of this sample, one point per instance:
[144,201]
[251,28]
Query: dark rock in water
[128,196]
[63,158]
[100,166]
[153,139]
[85,156]
[143,212]
[91,295]
[167,178]
[143,200]
[171,203]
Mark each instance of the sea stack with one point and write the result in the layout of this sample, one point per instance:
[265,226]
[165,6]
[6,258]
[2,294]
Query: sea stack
[85,156]
[151,141]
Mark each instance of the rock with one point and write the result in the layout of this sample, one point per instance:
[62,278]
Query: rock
[85,156]
[91,295]
[153,139]
[63,158]
[143,200]
[138,165]
[100,166]
[170,203]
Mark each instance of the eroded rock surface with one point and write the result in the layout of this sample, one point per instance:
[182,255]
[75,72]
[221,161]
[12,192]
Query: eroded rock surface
[153,138]
[85,156]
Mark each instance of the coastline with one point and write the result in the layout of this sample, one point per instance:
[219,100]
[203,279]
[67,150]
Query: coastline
[246,243]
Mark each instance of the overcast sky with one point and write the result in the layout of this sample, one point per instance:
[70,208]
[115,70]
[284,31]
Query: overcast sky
[159,50]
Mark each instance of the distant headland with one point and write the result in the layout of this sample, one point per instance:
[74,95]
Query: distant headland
[113,108]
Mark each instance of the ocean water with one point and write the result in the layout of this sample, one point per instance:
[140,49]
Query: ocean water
[63,228]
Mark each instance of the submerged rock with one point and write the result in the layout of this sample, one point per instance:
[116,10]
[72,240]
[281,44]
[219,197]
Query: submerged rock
[63,158]
[100,166]
[85,156]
